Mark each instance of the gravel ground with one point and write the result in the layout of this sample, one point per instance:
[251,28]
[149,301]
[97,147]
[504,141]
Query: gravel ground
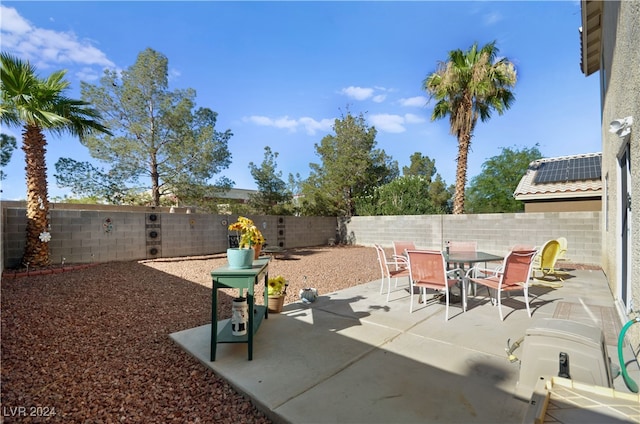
[93,346]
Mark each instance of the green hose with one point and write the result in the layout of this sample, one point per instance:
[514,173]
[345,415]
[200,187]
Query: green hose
[631,385]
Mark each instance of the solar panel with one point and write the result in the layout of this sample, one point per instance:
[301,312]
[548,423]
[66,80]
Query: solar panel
[572,169]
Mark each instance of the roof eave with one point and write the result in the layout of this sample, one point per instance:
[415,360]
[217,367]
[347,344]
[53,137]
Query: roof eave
[559,195]
[590,36]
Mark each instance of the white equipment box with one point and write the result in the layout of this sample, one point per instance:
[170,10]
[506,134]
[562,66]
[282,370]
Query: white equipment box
[563,348]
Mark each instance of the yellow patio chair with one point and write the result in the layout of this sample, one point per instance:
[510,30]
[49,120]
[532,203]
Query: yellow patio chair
[562,254]
[544,262]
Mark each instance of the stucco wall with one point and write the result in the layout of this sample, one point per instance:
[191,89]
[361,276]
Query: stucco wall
[620,78]
[576,205]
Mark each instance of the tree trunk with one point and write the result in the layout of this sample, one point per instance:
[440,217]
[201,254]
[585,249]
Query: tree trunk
[155,181]
[36,252]
[461,173]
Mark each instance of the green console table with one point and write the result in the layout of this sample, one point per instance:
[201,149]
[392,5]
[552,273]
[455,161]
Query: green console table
[242,279]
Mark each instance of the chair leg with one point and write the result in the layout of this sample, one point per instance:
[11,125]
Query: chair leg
[464,296]
[526,300]
[492,299]
[446,309]
[411,294]
[499,304]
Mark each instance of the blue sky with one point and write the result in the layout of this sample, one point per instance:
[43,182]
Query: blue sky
[279,73]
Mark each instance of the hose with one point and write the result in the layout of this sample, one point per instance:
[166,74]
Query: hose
[631,385]
[512,347]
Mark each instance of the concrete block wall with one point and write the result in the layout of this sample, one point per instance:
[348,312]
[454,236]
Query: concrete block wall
[14,227]
[494,233]
[191,235]
[79,236]
[303,231]
[86,236]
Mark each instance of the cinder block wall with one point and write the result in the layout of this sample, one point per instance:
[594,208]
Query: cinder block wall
[302,231]
[85,236]
[494,233]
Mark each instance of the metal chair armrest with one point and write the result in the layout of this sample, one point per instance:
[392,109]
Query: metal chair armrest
[457,272]
[474,271]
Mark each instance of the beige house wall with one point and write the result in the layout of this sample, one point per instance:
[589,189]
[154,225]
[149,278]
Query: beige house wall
[564,206]
[620,84]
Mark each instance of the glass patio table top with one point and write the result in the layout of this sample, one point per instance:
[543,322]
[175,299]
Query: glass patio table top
[470,257]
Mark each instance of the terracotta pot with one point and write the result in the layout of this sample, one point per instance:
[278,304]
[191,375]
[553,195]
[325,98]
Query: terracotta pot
[276,303]
[257,248]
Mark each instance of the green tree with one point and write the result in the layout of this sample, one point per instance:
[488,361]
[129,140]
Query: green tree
[417,192]
[470,85]
[7,146]
[294,185]
[87,181]
[272,190]
[420,165]
[406,195]
[38,104]
[492,190]
[350,167]
[161,141]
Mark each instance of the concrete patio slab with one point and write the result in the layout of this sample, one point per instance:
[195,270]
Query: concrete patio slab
[353,357]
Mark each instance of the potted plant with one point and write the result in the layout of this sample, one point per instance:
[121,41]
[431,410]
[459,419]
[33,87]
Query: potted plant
[276,292]
[250,241]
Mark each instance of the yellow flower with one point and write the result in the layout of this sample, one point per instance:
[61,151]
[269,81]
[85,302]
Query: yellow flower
[249,233]
[276,286]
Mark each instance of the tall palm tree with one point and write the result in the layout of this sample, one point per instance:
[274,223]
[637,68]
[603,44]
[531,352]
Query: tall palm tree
[37,104]
[470,85]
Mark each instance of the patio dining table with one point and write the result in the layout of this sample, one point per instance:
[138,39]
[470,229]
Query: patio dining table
[461,258]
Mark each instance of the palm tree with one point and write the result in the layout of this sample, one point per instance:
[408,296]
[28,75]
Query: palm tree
[37,104]
[469,85]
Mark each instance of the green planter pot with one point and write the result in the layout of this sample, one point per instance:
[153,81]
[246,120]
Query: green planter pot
[240,258]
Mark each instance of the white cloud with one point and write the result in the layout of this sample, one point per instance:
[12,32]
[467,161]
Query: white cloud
[417,101]
[258,120]
[88,74]
[378,94]
[310,125]
[12,22]
[265,121]
[388,123]
[46,48]
[358,93]
[285,122]
[492,18]
[174,74]
[410,118]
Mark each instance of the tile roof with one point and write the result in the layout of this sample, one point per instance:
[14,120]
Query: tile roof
[528,190]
